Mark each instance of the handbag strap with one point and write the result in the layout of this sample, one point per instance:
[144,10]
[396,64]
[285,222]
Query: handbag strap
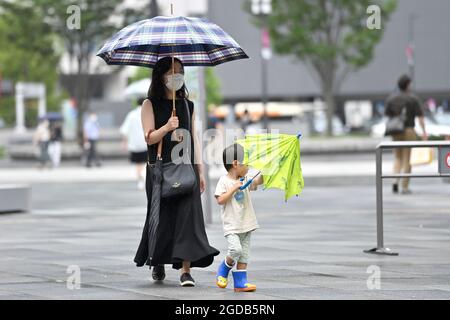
[159,151]
[189,114]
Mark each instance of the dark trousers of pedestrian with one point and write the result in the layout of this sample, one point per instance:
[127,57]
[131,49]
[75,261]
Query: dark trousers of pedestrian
[44,156]
[92,154]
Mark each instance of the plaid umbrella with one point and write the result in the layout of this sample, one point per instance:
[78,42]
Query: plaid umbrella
[195,41]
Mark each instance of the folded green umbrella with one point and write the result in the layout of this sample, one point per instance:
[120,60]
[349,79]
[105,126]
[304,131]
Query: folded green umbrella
[277,156]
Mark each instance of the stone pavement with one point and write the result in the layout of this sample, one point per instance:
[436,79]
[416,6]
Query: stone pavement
[308,248]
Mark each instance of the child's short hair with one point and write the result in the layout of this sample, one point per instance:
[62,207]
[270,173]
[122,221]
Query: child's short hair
[231,153]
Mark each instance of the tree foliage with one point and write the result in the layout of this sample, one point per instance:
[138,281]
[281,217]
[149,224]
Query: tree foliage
[98,20]
[330,36]
[28,54]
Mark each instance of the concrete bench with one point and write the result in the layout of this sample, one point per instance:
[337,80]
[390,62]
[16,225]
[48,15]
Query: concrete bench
[15,197]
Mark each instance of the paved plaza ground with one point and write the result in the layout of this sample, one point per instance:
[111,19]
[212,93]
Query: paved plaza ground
[308,248]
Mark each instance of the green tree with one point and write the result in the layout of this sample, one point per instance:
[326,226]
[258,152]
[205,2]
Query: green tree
[212,83]
[98,20]
[27,57]
[140,73]
[330,36]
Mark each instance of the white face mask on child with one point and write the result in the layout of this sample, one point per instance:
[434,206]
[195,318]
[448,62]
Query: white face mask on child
[175,82]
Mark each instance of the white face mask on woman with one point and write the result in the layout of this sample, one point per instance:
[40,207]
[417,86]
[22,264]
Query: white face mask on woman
[175,82]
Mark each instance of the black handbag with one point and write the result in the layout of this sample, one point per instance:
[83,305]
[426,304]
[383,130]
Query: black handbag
[178,179]
[396,124]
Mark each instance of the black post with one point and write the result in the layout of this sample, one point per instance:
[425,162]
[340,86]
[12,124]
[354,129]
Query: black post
[412,65]
[264,73]
[154,10]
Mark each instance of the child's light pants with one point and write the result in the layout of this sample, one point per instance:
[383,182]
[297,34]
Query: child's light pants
[239,246]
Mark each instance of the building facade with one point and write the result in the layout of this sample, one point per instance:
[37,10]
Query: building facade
[289,79]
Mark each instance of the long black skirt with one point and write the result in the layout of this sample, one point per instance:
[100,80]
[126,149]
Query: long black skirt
[181,234]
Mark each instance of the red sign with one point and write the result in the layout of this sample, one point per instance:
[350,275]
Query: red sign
[410,54]
[265,38]
[447,160]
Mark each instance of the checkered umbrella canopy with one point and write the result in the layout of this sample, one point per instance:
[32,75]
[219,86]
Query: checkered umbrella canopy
[195,41]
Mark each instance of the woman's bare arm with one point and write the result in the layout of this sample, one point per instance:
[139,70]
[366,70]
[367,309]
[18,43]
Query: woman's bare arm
[151,135]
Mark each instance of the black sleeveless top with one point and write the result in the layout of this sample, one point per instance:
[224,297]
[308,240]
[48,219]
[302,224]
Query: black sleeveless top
[162,111]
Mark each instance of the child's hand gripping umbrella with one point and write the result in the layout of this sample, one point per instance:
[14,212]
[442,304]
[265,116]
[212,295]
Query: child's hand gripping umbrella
[248,182]
[277,157]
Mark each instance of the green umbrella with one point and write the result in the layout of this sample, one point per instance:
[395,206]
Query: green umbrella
[277,156]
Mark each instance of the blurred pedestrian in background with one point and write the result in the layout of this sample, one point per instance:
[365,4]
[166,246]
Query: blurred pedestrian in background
[245,120]
[54,148]
[404,102]
[254,124]
[134,141]
[91,136]
[41,139]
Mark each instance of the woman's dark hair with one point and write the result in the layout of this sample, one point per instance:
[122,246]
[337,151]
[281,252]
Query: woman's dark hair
[231,153]
[404,82]
[158,87]
[140,101]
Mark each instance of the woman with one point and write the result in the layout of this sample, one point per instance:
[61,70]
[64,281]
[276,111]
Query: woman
[181,238]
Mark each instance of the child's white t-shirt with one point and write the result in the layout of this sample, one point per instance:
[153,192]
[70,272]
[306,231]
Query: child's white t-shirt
[238,215]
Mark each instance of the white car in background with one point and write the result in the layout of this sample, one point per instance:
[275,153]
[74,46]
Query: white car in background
[438,127]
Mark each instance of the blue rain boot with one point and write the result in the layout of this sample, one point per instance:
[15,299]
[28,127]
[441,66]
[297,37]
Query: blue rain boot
[240,282]
[222,274]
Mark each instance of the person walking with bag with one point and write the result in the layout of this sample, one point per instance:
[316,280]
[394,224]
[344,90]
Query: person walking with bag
[402,109]
[181,237]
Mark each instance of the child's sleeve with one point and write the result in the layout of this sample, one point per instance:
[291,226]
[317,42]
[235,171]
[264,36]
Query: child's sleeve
[221,188]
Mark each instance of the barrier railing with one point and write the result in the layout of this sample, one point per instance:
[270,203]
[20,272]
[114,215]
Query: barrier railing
[443,171]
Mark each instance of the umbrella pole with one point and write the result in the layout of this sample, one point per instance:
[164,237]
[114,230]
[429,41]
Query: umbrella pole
[173,89]
[173,70]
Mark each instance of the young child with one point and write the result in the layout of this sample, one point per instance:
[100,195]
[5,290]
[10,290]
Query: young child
[238,218]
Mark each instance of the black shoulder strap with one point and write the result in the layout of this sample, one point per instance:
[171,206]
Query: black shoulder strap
[188,113]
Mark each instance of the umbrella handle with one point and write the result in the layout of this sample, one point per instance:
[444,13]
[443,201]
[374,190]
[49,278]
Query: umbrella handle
[248,182]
